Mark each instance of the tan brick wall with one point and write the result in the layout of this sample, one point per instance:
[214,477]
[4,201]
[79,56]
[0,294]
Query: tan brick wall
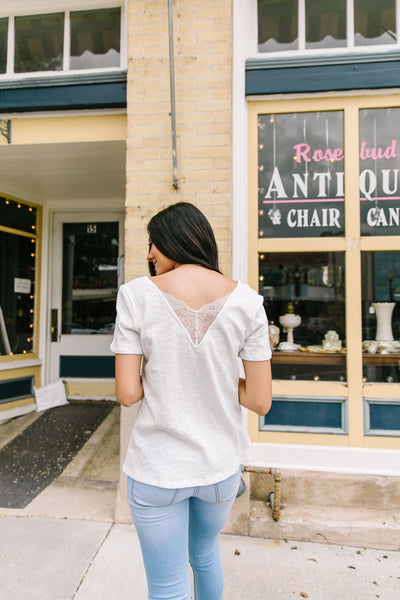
[203,83]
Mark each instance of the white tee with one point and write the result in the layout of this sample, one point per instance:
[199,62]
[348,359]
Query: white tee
[188,430]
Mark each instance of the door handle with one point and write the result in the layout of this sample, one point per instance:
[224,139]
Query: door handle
[54,325]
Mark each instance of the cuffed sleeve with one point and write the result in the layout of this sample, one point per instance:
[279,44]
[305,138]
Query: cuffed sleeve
[256,344]
[127,333]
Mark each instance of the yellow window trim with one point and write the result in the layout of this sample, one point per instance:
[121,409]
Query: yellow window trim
[351,243]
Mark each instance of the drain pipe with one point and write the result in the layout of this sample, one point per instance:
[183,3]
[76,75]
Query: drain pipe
[175,182]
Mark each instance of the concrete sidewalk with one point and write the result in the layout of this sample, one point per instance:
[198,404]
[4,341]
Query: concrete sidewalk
[70,559]
[66,545]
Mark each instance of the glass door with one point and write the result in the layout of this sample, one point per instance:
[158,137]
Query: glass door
[86,273]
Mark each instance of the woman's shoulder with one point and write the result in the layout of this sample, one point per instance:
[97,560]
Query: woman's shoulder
[245,291]
[135,287]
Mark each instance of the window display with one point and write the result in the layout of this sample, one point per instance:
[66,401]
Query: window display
[381,316]
[304,297]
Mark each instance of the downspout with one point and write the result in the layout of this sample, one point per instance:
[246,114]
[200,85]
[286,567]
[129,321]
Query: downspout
[175,182]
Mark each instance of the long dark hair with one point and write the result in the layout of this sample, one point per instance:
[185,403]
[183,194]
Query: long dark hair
[183,234]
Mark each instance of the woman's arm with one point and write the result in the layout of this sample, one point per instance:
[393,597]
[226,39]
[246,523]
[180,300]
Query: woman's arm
[128,381]
[255,391]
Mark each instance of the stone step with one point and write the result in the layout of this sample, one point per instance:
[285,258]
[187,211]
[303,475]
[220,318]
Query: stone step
[327,489]
[370,528]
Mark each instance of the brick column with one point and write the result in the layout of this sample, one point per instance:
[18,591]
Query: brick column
[203,84]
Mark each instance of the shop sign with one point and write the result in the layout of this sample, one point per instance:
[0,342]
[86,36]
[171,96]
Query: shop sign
[301,178]
[301,184]
[379,172]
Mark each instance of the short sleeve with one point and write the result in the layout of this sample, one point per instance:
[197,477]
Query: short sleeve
[256,344]
[126,333]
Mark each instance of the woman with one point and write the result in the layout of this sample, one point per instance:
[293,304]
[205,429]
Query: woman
[178,339]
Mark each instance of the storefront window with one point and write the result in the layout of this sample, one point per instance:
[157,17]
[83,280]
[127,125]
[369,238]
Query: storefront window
[3,44]
[95,39]
[374,22]
[39,43]
[330,284]
[379,171]
[301,175]
[277,25]
[304,296]
[325,23]
[381,316]
[18,250]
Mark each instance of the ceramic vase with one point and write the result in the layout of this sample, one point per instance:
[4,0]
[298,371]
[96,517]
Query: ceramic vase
[383,311]
[273,331]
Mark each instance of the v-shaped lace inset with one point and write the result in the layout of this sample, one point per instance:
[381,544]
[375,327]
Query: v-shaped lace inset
[196,322]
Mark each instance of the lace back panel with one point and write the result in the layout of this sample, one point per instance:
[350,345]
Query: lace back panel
[196,322]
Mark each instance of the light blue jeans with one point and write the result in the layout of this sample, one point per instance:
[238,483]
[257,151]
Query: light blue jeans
[178,526]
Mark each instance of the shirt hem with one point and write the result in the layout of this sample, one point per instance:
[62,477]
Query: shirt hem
[184,483]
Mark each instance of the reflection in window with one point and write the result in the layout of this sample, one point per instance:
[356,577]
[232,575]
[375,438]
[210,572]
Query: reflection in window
[90,273]
[374,22]
[3,44]
[325,23]
[39,43]
[17,279]
[312,286]
[277,25]
[95,39]
[380,276]
[301,174]
[379,171]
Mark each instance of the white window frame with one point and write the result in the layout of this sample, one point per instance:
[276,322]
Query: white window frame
[23,8]
[350,48]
